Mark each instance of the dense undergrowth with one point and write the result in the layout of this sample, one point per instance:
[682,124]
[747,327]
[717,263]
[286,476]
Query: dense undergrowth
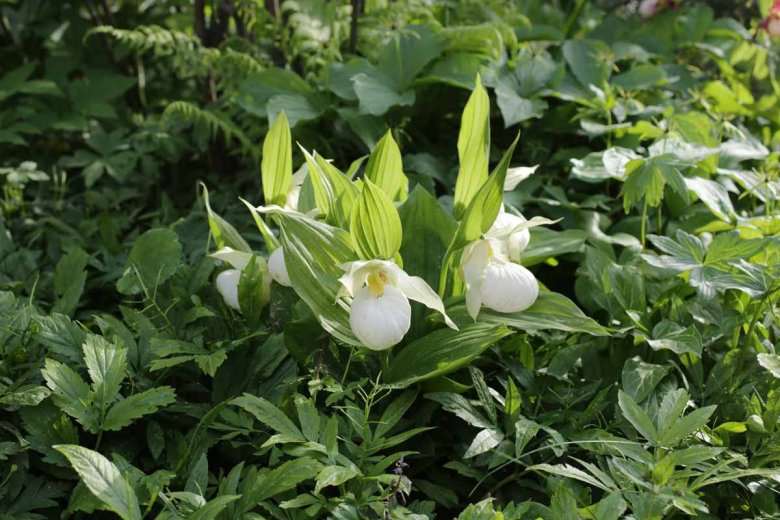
[148,371]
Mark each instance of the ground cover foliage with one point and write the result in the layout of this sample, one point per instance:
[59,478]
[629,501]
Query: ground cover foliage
[158,361]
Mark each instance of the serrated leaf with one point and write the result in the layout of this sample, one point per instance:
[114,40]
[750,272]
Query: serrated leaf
[71,393]
[637,417]
[268,414]
[137,405]
[106,364]
[485,440]
[104,480]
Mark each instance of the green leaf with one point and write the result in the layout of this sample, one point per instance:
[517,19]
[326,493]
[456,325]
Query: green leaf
[106,364]
[334,193]
[334,476]
[27,395]
[587,60]
[461,407]
[137,405]
[473,149]
[281,479]
[551,311]
[637,417]
[225,235]
[213,508]
[485,205]
[673,336]
[104,480]
[313,252]
[394,413]
[427,231]
[517,88]
[154,258]
[385,168]
[71,393]
[276,166]
[69,278]
[408,52]
[308,417]
[646,179]
[771,362]
[375,225]
[639,379]
[485,441]
[714,196]
[684,427]
[441,352]
[254,289]
[377,93]
[271,416]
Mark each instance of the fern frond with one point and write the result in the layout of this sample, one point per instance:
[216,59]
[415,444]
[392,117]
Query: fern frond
[148,37]
[213,121]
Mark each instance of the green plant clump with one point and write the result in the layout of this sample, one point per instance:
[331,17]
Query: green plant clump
[372,259]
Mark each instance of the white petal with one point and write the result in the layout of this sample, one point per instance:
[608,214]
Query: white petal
[357,274]
[508,287]
[516,241]
[473,264]
[227,285]
[415,288]
[277,268]
[238,259]
[292,198]
[516,175]
[380,322]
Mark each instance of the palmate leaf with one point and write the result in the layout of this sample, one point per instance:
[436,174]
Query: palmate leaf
[647,178]
[104,480]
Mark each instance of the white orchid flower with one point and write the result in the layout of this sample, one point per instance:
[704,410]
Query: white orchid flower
[380,314]
[277,268]
[494,281]
[516,175]
[514,239]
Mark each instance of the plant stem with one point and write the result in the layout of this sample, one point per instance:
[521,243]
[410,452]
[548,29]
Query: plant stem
[384,357]
[659,222]
[572,19]
[751,328]
[349,361]
[644,224]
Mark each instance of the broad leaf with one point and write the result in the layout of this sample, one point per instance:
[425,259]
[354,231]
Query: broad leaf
[137,405]
[276,166]
[375,225]
[473,149]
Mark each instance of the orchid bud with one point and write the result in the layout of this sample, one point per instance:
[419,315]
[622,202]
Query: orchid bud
[227,285]
[278,269]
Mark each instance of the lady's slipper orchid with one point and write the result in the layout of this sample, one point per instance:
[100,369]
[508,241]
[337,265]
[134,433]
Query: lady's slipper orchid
[494,281]
[503,229]
[278,269]
[380,314]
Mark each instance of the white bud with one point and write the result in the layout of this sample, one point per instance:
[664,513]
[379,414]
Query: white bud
[292,198]
[277,268]
[516,242]
[227,285]
[380,321]
[508,287]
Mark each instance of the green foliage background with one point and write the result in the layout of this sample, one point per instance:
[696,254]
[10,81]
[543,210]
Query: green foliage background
[643,385]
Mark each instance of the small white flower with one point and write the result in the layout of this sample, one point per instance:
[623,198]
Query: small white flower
[380,314]
[295,190]
[494,281]
[278,269]
[227,285]
[515,242]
